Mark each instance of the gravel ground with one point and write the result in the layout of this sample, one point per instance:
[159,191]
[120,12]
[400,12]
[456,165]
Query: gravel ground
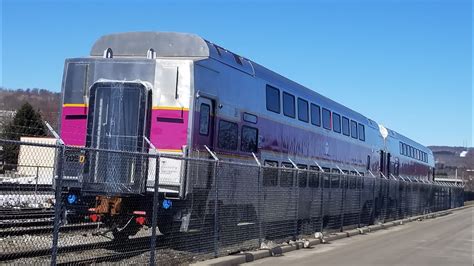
[26,199]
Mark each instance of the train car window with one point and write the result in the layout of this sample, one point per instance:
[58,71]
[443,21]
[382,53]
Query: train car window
[270,174]
[250,118]
[273,99]
[326,119]
[303,114]
[335,181]
[389,163]
[326,181]
[336,122]
[302,175]
[361,132]
[228,135]
[368,162]
[204,118]
[286,177]
[346,172]
[352,182]
[354,173]
[353,129]
[326,169]
[249,139]
[401,148]
[288,105]
[382,155]
[362,183]
[313,177]
[315,115]
[345,126]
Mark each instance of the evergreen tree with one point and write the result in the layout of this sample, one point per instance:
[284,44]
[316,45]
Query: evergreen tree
[27,122]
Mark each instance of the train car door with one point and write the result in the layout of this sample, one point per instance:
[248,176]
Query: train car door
[117,121]
[205,123]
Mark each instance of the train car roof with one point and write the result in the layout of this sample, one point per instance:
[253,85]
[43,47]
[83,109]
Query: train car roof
[174,44]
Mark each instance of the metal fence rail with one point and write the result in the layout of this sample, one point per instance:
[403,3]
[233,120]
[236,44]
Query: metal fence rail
[222,206]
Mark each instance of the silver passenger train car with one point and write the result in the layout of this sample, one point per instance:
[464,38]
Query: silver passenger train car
[179,94]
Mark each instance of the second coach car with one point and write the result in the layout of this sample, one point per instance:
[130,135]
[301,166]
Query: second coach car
[181,94]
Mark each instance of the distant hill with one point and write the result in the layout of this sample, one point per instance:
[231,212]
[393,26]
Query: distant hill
[450,159]
[45,101]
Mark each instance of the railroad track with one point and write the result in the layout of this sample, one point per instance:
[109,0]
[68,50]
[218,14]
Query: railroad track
[11,187]
[28,214]
[132,243]
[120,250]
[40,228]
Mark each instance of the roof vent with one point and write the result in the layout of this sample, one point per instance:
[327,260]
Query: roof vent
[108,53]
[151,54]
[238,59]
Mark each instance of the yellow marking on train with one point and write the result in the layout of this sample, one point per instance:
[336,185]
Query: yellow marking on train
[170,108]
[169,150]
[74,105]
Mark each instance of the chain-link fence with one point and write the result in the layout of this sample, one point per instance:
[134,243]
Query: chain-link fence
[84,205]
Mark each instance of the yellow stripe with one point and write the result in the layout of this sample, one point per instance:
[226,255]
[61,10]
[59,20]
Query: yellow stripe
[169,150]
[170,108]
[74,105]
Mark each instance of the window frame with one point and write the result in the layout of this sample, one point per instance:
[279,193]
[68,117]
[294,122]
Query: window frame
[361,133]
[294,104]
[302,175]
[348,126]
[356,136]
[242,138]
[208,119]
[330,119]
[313,122]
[313,175]
[291,170]
[334,115]
[299,101]
[265,178]
[267,89]
[219,134]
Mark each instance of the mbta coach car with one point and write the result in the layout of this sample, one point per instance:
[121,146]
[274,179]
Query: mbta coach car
[180,94]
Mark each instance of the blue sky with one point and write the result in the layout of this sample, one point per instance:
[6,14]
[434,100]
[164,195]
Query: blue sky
[405,64]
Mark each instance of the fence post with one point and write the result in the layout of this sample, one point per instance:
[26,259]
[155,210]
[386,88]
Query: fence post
[154,219]
[259,202]
[321,187]
[342,185]
[216,207]
[386,197]
[359,187]
[297,185]
[374,204]
[57,205]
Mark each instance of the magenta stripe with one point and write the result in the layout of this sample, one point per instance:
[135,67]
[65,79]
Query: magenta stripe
[169,129]
[73,131]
